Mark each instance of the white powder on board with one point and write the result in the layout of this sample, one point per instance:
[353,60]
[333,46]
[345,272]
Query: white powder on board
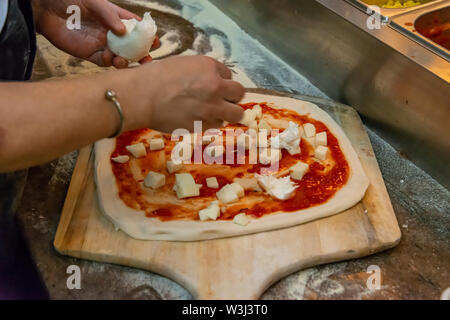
[155,6]
[170,42]
[230,43]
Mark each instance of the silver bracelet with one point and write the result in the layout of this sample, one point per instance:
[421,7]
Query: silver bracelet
[111,96]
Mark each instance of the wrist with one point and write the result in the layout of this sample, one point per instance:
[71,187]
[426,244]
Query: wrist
[134,95]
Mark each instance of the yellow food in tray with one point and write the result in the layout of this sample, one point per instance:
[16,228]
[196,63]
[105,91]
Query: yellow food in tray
[397,4]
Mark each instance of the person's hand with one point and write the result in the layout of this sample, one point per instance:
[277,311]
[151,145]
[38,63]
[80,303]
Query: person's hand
[174,92]
[89,43]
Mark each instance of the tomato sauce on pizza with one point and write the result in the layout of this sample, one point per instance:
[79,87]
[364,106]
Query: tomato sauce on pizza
[319,183]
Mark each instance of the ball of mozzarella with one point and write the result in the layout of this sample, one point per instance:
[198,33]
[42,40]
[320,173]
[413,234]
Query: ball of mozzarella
[138,40]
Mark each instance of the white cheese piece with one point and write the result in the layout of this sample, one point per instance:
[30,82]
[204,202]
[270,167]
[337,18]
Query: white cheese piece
[258,111]
[311,141]
[214,151]
[212,183]
[300,131]
[298,170]
[137,41]
[309,130]
[249,116]
[156,144]
[248,184]
[211,212]
[185,186]
[253,125]
[154,180]
[321,153]
[241,219]
[121,159]
[263,125]
[173,167]
[238,189]
[227,194]
[321,139]
[289,139]
[281,189]
[269,155]
[137,150]
[244,140]
[263,142]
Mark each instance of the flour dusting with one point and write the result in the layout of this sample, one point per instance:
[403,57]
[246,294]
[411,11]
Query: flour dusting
[252,63]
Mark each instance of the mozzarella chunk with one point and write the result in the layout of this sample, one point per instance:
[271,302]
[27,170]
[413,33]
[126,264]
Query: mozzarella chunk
[309,130]
[249,116]
[156,144]
[248,184]
[212,183]
[241,219]
[137,150]
[154,180]
[244,140]
[263,125]
[121,159]
[311,141]
[238,189]
[281,189]
[185,186]
[300,131]
[289,139]
[321,139]
[211,212]
[258,111]
[173,167]
[253,125]
[263,142]
[269,155]
[298,170]
[227,194]
[321,153]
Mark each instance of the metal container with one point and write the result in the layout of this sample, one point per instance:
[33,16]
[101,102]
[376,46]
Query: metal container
[415,24]
[387,13]
[401,89]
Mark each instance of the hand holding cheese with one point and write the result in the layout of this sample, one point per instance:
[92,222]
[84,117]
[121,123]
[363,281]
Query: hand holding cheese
[136,43]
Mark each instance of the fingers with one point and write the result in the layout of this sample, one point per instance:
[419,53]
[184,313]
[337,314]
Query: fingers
[223,70]
[119,62]
[232,91]
[125,14]
[229,112]
[107,58]
[109,16]
[145,60]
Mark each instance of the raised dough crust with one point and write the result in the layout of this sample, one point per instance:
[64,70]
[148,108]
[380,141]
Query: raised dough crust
[138,226]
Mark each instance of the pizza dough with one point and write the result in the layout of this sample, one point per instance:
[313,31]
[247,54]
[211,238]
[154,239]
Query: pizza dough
[137,225]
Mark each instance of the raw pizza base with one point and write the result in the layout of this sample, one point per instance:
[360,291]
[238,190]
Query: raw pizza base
[137,225]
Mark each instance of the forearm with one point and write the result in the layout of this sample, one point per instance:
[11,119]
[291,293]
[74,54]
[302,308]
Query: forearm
[43,120]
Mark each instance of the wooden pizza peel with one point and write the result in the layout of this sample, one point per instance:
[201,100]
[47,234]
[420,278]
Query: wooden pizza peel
[240,267]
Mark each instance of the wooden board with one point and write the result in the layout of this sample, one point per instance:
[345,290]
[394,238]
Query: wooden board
[241,267]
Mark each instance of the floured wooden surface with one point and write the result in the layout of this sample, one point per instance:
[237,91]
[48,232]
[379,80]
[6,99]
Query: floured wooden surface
[240,267]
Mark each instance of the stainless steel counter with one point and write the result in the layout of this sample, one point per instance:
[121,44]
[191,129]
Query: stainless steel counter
[400,87]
